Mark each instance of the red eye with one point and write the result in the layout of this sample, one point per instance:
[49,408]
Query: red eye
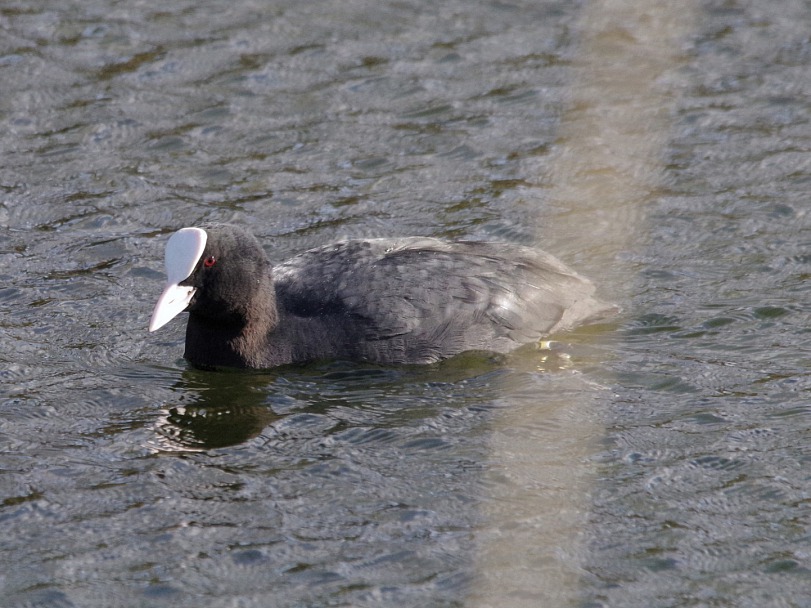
[209,261]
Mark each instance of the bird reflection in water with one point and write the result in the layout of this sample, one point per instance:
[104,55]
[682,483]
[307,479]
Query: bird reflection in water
[215,410]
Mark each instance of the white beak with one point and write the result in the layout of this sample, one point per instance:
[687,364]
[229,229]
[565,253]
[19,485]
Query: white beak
[173,301]
[183,251]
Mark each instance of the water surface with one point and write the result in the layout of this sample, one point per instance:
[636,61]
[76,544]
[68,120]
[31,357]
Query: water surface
[656,461]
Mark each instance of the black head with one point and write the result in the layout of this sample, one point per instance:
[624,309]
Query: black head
[225,271]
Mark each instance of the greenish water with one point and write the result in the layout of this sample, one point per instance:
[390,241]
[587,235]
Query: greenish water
[661,460]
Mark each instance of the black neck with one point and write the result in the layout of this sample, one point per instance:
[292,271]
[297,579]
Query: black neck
[212,344]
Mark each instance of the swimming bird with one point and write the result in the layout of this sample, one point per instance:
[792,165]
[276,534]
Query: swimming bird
[388,301]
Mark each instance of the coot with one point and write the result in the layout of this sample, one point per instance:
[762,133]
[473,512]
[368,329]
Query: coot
[388,301]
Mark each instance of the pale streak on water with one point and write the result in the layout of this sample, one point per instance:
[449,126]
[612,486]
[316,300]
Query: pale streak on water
[604,172]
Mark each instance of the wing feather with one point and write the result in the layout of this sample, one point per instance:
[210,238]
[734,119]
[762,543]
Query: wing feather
[430,291]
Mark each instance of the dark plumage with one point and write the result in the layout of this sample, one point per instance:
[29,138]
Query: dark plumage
[389,301]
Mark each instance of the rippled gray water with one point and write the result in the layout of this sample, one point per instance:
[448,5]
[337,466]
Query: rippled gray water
[662,460]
